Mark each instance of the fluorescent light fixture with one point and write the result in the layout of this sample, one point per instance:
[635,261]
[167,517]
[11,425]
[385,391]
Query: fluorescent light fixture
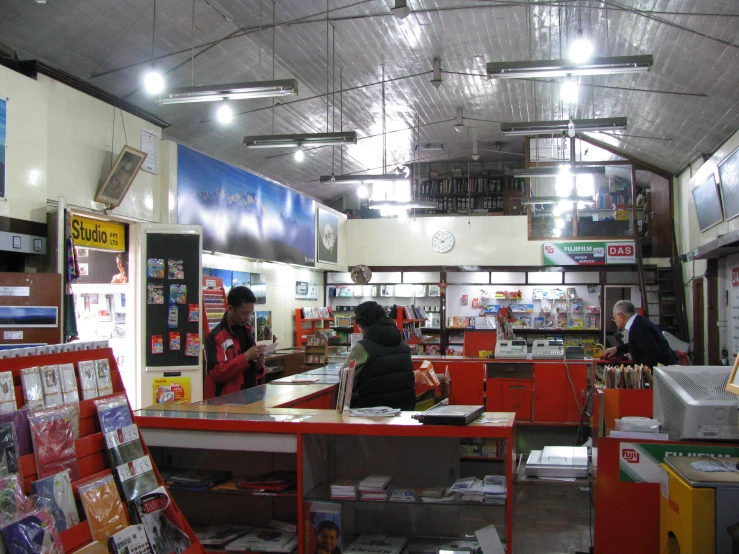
[236,91]
[380,204]
[360,179]
[561,68]
[559,171]
[459,123]
[523,128]
[401,9]
[436,75]
[555,199]
[305,140]
[430,147]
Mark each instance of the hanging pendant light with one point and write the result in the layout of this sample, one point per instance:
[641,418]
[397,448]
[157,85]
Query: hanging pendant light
[153,80]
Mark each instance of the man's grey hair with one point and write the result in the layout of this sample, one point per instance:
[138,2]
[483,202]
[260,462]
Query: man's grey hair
[624,307]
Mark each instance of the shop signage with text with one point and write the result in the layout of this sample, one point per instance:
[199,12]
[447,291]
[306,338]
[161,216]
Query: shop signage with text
[94,233]
[589,253]
[735,276]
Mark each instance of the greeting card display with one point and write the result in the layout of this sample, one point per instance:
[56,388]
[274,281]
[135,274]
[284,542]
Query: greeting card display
[52,432]
[57,489]
[13,501]
[137,477]
[68,383]
[7,393]
[33,534]
[103,378]
[8,449]
[124,445]
[19,419]
[113,413]
[51,386]
[33,392]
[88,380]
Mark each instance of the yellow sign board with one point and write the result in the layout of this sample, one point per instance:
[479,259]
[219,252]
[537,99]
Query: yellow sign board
[172,390]
[94,233]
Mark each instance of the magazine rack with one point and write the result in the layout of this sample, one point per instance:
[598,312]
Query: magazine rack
[90,447]
[214,304]
[324,447]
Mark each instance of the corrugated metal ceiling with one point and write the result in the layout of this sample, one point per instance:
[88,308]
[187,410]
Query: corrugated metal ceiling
[688,104]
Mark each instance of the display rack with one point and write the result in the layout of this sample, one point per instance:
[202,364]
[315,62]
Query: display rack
[316,351]
[214,303]
[305,326]
[90,449]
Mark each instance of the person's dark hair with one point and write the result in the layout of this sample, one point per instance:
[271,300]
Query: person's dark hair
[329,526]
[368,313]
[238,296]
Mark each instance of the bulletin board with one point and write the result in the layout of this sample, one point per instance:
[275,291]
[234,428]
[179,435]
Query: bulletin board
[30,308]
[171,249]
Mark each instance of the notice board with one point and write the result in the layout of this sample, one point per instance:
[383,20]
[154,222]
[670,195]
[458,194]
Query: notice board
[30,308]
[172,299]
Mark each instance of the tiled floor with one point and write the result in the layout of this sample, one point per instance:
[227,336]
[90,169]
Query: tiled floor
[551,518]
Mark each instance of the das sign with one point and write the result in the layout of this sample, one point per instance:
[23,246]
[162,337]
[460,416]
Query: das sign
[620,253]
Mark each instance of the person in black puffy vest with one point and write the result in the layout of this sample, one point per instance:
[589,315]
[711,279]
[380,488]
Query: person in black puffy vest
[383,375]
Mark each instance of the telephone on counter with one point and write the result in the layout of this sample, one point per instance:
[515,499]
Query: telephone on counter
[515,349]
[550,349]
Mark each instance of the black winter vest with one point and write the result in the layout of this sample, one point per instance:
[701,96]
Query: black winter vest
[386,379]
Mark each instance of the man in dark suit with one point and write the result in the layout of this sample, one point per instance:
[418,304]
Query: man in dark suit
[647,345]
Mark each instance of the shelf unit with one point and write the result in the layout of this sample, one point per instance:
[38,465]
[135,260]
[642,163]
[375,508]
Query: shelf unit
[309,326]
[214,303]
[316,354]
[326,447]
[92,458]
[478,193]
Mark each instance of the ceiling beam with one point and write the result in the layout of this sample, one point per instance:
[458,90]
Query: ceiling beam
[619,152]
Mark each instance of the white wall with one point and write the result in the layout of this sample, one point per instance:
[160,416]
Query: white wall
[689,236]
[490,241]
[26,163]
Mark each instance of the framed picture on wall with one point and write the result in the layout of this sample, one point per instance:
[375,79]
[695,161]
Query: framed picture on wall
[728,171]
[115,186]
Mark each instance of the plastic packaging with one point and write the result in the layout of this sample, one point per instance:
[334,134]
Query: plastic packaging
[68,383]
[51,386]
[103,507]
[53,434]
[7,393]
[113,413]
[13,501]
[22,431]
[8,449]
[57,489]
[103,378]
[35,533]
[124,445]
[137,477]
[88,382]
[640,424]
[33,392]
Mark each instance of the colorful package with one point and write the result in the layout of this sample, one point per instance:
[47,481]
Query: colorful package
[173,317]
[7,393]
[155,268]
[103,507]
[51,386]
[175,269]
[124,445]
[52,432]
[192,346]
[103,378]
[33,534]
[113,413]
[154,294]
[88,381]
[194,313]
[68,383]
[131,540]
[19,419]
[175,340]
[157,344]
[13,501]
[57,489]
[33,391]
[178,294]
[8,449]
[157,515]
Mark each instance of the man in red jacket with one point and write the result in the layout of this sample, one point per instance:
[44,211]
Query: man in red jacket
[233,359]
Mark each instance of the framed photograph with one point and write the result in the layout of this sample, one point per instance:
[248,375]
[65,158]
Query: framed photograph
[29,316]
[121,175]
[16,242]
[728,171]
[707,204]
[328,237]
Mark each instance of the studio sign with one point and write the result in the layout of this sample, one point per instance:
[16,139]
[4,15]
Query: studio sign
[94,233]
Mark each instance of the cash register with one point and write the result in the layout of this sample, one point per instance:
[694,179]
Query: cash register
[549,349]
[511,349]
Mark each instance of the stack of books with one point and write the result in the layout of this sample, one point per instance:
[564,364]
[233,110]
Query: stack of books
[372,544]
[374,487]
[194,479]
[490,490]
[494,488]
[219,534]
[264,540]
[273,481]
[345,489]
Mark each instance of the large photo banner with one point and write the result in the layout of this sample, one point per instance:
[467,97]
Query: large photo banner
[244,214]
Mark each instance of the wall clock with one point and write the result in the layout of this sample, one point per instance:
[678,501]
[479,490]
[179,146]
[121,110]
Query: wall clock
[442,241]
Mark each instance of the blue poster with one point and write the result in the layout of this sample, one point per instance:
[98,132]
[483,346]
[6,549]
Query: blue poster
[243,214]
[3,119]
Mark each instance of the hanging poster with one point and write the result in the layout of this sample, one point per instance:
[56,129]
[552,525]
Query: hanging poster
[3,134]
[306,291]
[244,214]
[328,237]
[259,287]
[264,325]
[172,390]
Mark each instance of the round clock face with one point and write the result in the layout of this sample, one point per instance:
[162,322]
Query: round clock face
[442,241]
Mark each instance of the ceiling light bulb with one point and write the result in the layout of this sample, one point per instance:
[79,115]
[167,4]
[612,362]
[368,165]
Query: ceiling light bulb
[569,91]
[559,223]
[362,191]
[299,155]
[224,114]
[581,50]
[153,82]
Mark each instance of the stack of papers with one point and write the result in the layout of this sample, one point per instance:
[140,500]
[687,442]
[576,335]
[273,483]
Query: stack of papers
[264,540]
[372,544]
[219,534]
[490,490]
[379,411]
[374,487]
[346,489]
[402,495]
[494,489]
